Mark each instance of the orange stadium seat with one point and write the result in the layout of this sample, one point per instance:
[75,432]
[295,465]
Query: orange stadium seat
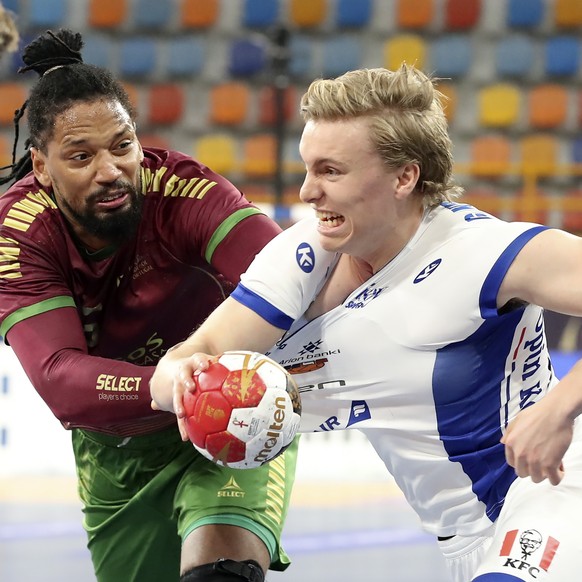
[490,156]
[259,155]
[462,14]
[404,48]
[450,99]
[307,13]
[414,13]
[12,97]
[485,199]
[229,103]
[499,105]
[199,13]
[218,152]
[548,105]
[572,217]
[567,13]
[5,151]
[166,103]
[133,94]
[107,13]
[538,154]
[268,107]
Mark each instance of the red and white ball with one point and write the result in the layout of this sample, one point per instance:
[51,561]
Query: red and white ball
[244,411]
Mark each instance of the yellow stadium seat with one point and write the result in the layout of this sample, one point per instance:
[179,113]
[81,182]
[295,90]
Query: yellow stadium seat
[307,13]
[229,102]
[414,13]
[548,105]
[218,152]
[499,105]
[404,48]
[538,154]
[490,156]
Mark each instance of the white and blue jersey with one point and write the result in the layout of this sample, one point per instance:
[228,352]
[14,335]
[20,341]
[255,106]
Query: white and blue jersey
[417,357]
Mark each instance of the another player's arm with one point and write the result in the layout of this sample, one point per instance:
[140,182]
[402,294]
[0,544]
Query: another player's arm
[547,272]
[232,326]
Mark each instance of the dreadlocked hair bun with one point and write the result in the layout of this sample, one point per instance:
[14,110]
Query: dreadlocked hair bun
[51,50]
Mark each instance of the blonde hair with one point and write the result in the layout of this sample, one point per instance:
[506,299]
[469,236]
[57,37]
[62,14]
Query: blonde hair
[8,32]
[407,121]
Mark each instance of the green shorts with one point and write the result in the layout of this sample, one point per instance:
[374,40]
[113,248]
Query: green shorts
[142,497]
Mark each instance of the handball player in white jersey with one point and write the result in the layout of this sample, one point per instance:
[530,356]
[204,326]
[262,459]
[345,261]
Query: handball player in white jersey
[418,319]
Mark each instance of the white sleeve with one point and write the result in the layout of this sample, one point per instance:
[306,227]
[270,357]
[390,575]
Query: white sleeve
[286,275]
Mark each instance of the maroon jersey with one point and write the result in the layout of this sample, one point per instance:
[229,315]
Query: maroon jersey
[89,329]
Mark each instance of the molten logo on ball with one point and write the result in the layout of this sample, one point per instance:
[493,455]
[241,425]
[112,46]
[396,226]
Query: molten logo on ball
[244,410]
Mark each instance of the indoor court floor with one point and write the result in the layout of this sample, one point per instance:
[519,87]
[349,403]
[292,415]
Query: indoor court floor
[347,522]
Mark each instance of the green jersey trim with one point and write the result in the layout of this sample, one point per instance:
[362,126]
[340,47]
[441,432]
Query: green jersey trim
[225,227]
[36,309]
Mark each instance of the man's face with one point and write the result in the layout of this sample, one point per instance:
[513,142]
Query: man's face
[92,163]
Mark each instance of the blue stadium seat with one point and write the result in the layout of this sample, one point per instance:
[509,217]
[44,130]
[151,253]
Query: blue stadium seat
[525,13]
[353,13]
[97,50]
[340,54]
[577,150]
[562,56]
[300,56]
[137,56]
[514,56]
[12,5]
[260,13]
[186,56]
[452,55]
[46,13]
[152,14]
[247,57]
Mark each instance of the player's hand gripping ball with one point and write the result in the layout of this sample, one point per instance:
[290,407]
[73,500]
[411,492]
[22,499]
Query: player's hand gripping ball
[244,410]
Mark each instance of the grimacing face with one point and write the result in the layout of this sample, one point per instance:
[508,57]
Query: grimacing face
[92,164]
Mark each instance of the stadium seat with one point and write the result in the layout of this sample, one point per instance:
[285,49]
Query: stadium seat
[414,13]
[199,13]
[165,104]
[341,53]
[300,56]
[152,14]
[153,140]
[562,56]
[260,13]
[12,97]
[229,103]
[46,13]
[462,14]
[353,13]
[267,105]
[107,13]
[133,95]
[451,55]
[247,57]
[485,199]
[450,101]
[186,56]
[218,152]
[97,50]
[538,154]
[499,105]
[525,13]
[514,56]
[577,151]
[137,56]
[12,5]
[307,13]
[259,157]
[572,215]
[567,13]
[490,156]
[5,151]
[548,105]
[404,48]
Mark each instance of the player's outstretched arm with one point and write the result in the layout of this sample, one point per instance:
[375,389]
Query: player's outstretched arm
[232,326]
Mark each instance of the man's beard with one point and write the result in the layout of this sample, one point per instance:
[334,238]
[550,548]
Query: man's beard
[116,226]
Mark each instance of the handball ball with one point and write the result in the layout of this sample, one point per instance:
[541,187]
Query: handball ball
[244,410]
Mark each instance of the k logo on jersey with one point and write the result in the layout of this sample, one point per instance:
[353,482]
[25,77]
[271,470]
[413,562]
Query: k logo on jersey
[428,270]
[305,257]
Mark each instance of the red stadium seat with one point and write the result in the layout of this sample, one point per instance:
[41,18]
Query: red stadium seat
[166,103]
[462,14]
[267,105]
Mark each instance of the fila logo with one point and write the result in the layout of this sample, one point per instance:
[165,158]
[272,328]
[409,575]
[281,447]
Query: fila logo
[428,270]
[305,257]
[528,544]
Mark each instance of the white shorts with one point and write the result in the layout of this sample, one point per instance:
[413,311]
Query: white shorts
[536,537]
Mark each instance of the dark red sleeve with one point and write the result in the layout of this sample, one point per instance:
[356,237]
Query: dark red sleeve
[80,389]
